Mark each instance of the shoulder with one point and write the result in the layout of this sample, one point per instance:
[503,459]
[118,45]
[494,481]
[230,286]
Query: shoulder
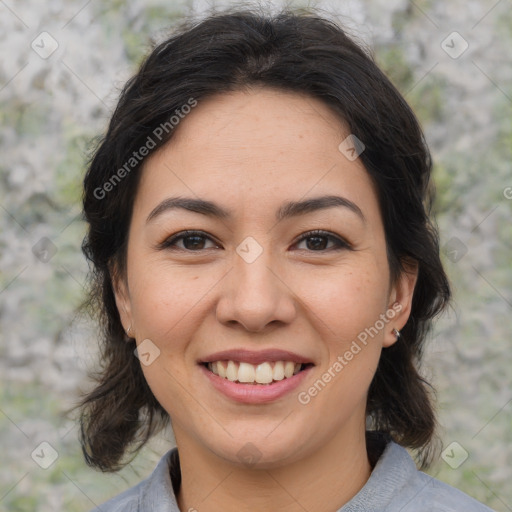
[434,495]
[127,501]
[396,484]
[155,493]
[421,492]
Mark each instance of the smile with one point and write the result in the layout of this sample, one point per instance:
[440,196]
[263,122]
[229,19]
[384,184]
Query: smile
[247,373]
[255,377]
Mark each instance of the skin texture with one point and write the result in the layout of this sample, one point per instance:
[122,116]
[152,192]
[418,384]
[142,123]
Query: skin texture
[249,152]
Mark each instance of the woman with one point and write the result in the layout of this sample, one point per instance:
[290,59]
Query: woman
[266,272]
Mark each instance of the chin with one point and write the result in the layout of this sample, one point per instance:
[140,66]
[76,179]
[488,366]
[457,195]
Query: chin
[259,450]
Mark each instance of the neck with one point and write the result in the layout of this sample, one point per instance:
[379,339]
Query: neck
[322,481]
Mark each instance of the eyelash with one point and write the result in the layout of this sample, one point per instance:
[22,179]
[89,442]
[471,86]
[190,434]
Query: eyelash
[169,243]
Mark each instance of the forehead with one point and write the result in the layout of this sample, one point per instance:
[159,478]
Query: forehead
[271,122]
[256,147]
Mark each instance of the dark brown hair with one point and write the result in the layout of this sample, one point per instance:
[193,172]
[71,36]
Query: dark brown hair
[293,50]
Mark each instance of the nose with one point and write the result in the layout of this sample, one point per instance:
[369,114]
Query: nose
[255,296]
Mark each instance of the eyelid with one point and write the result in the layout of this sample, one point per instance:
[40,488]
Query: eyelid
[166,243]
[341,242]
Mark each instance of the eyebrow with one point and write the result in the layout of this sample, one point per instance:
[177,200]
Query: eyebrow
[287,210]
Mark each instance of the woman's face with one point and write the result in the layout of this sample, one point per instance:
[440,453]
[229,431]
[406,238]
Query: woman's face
[254,281]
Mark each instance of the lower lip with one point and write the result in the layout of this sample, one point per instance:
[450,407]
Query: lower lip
[255,393]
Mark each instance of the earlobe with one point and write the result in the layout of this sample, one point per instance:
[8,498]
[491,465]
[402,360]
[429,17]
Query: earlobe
[401,297]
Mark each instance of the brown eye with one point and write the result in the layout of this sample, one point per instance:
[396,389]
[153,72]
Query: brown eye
[193,242]
[319,240]
[188,241]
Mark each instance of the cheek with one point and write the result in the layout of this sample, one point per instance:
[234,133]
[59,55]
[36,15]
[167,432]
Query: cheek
[346,300]
[348,305]
[168,304]
[167,301]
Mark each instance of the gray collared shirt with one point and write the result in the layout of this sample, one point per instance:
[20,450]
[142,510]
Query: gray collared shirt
[395,485]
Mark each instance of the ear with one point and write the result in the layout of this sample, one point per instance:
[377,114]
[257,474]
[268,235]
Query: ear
[122,297]
[400,302]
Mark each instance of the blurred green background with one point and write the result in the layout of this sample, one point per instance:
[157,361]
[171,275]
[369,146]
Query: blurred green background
[53,105]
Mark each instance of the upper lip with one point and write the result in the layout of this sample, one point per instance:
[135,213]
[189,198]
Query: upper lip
[253,357]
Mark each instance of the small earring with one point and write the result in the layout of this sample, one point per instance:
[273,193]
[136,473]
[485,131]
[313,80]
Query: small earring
[397,333]
[128,331]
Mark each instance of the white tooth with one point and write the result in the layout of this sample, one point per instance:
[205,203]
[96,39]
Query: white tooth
[246,372]
[278,373]
[221,369]
[232,371]
[289,367]
[264,373]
